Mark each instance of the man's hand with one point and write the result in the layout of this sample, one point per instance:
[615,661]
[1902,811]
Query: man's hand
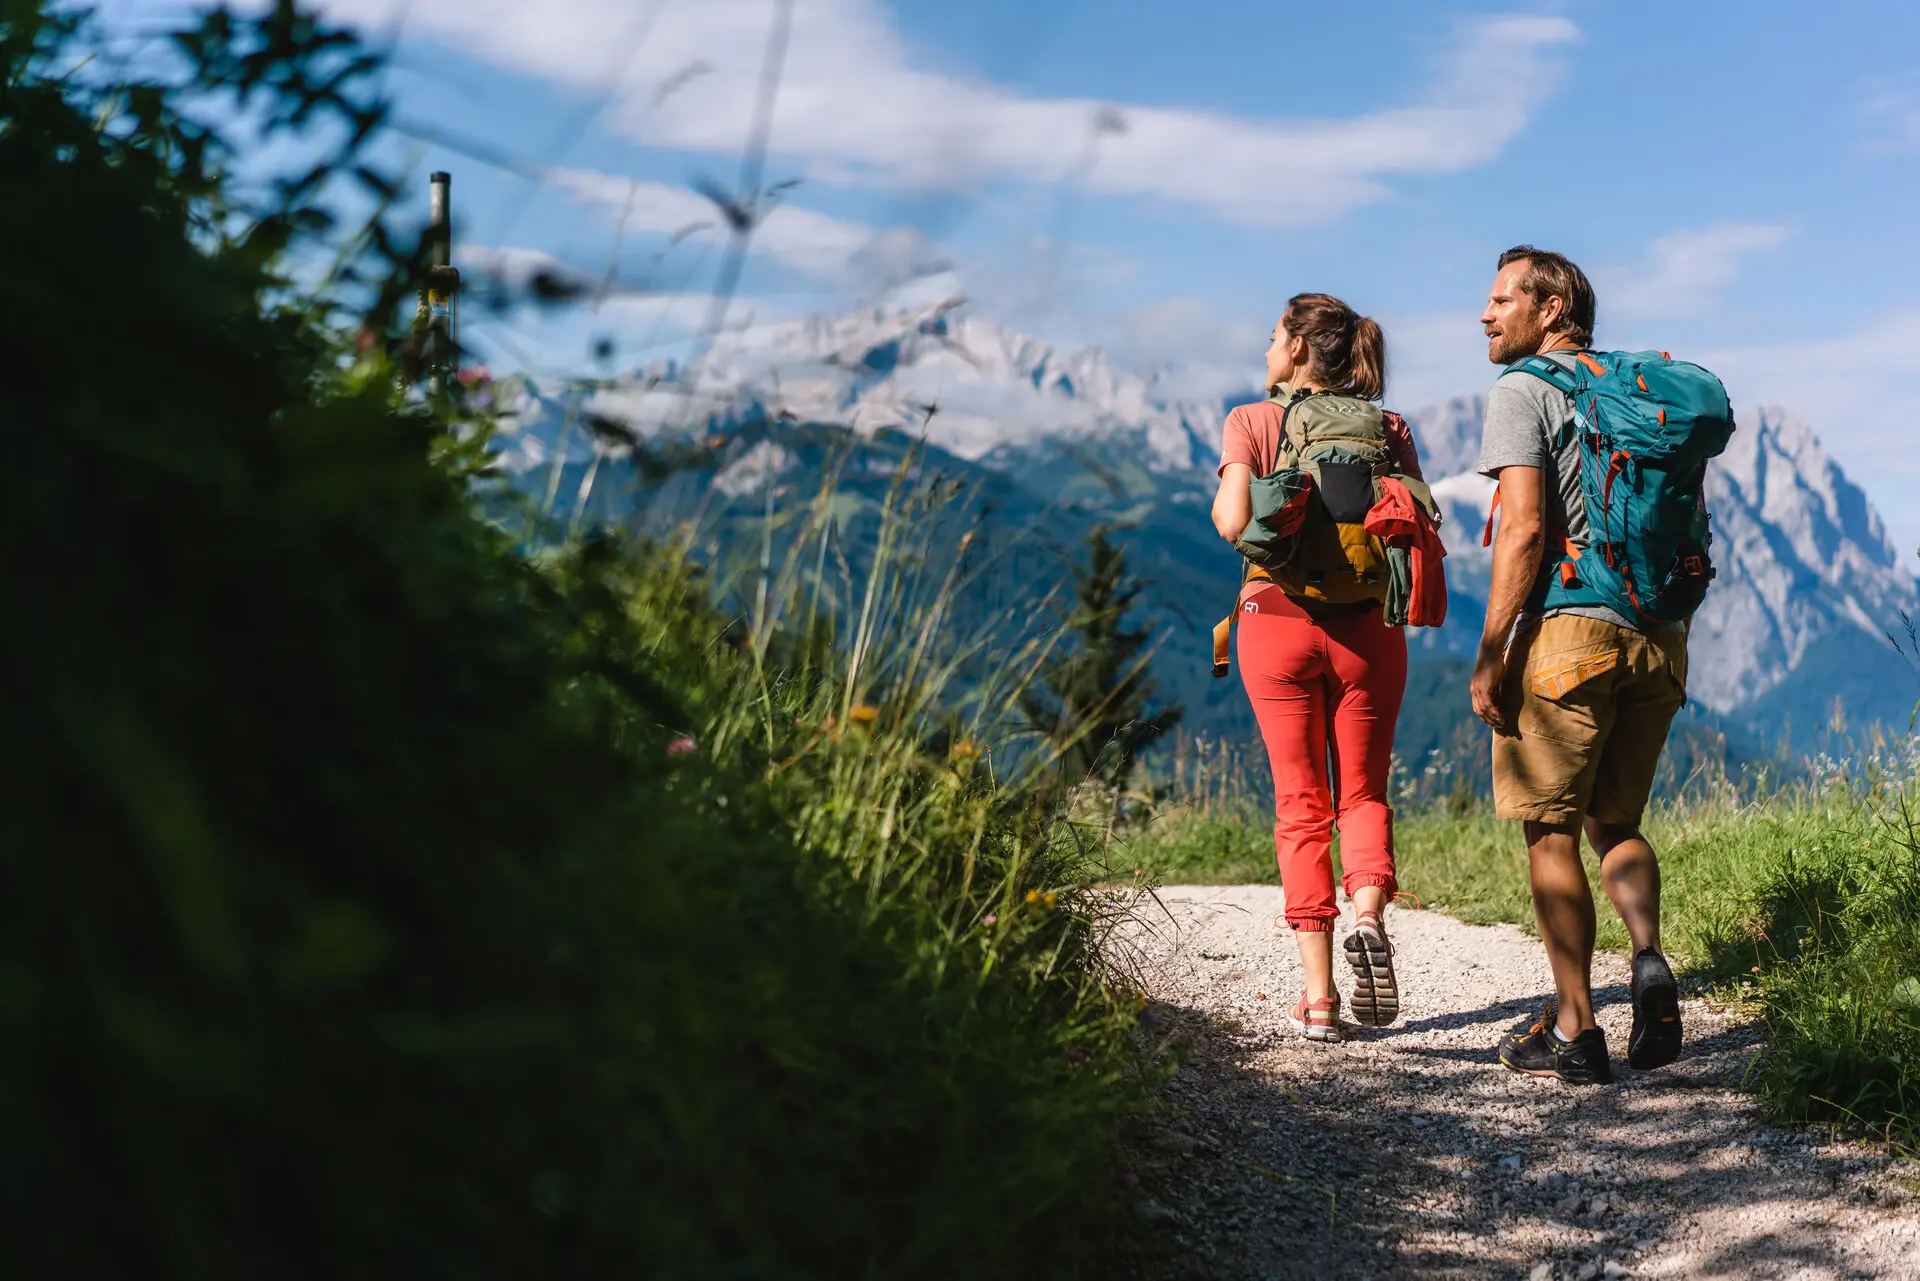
[1517,551]
[1489,675]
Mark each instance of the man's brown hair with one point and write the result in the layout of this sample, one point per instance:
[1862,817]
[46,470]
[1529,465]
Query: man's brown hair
[1552,275]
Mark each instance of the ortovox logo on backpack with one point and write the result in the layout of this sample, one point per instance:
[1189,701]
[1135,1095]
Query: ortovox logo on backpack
[1647,424]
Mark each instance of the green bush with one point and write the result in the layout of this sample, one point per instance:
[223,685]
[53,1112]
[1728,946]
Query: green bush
[365,912]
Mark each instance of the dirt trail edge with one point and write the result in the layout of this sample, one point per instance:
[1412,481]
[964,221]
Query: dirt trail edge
[1409,1152]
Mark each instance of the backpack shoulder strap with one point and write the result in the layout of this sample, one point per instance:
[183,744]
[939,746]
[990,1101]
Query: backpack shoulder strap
[1286,397]
[1547,371]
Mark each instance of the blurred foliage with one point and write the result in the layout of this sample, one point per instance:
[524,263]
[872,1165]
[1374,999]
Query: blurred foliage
[381,902]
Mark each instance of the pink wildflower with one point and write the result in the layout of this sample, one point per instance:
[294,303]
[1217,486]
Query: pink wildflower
[682,746]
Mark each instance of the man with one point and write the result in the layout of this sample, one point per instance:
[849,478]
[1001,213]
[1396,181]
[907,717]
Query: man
[1579,698]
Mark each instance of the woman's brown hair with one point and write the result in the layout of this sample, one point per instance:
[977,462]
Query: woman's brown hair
[1349,351]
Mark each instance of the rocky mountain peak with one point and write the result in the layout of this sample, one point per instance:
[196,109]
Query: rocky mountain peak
[1808,581]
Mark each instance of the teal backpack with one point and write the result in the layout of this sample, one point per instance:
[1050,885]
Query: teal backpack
[1647,424]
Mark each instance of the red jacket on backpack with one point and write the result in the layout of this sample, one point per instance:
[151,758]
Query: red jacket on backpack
[1403,522]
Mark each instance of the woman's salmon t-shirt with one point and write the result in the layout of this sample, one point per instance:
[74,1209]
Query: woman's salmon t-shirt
[1252,436]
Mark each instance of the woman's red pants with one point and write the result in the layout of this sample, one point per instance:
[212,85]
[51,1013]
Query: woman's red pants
[1326,692]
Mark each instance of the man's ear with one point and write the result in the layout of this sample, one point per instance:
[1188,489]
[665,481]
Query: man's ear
[1550,312]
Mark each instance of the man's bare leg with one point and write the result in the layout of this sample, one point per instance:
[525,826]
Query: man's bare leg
[1563,909]
[1630,874]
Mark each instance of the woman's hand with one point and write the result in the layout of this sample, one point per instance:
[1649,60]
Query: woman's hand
[1233,503]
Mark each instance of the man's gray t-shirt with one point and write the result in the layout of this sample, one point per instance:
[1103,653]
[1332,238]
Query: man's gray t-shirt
[1525,417]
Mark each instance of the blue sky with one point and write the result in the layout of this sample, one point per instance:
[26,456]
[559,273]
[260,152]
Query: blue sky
[1739,179]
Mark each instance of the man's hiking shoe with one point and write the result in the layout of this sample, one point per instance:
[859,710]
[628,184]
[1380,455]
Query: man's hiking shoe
[1317,1020]
[1539,1051]
[1376,994]
[1655,1041]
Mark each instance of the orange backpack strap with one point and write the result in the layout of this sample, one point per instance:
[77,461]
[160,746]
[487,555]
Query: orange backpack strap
[1569,576]
[1223,630]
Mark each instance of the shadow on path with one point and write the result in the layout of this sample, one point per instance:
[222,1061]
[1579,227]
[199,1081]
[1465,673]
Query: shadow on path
[1409,1152]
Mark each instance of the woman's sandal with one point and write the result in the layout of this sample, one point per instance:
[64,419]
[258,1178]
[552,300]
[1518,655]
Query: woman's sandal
[1317,1020]
[1376,993]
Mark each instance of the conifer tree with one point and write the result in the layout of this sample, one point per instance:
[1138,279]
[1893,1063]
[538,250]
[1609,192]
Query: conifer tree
[1092,700]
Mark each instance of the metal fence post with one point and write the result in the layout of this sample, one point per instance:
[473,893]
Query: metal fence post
[442,286]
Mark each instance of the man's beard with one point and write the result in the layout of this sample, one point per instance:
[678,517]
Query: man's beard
[1514,345]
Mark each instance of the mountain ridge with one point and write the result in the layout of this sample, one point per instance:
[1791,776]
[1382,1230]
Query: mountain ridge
[1808,584]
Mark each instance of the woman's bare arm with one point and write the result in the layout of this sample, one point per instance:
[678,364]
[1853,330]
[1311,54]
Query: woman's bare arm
[1233,503]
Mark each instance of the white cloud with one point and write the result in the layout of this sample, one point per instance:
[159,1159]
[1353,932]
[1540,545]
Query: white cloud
[1435,356]
[1187,346]
[1193,349]
[1684,272]
[824,248]
[1856,389]
[638,326]
[1892,107]
[854,108]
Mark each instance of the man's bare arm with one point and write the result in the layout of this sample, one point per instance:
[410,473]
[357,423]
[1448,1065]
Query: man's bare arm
[1518,546]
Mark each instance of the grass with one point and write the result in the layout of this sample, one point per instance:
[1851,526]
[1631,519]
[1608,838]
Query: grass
[1804,899]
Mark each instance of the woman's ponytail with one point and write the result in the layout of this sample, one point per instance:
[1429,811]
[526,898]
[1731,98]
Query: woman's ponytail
[1349,353]
[1369,360]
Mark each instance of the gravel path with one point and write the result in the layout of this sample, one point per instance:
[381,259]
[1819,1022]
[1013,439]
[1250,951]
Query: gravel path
[1430,1160]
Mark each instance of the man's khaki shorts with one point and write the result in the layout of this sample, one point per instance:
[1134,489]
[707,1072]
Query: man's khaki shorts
[1589,703]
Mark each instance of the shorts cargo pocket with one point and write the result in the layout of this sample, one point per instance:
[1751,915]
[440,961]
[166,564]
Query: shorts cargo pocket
[1560,674]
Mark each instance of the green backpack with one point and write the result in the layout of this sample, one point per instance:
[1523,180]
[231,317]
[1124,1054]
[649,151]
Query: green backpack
[1308,533]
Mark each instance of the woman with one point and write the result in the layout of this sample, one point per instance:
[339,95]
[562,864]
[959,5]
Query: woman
[1315,670]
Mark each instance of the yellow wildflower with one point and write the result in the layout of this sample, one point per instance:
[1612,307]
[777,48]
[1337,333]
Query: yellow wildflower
[1033,896]
[864,714]
[1051,898]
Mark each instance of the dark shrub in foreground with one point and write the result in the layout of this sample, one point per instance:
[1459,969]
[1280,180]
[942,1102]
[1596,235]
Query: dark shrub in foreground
[358,920]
